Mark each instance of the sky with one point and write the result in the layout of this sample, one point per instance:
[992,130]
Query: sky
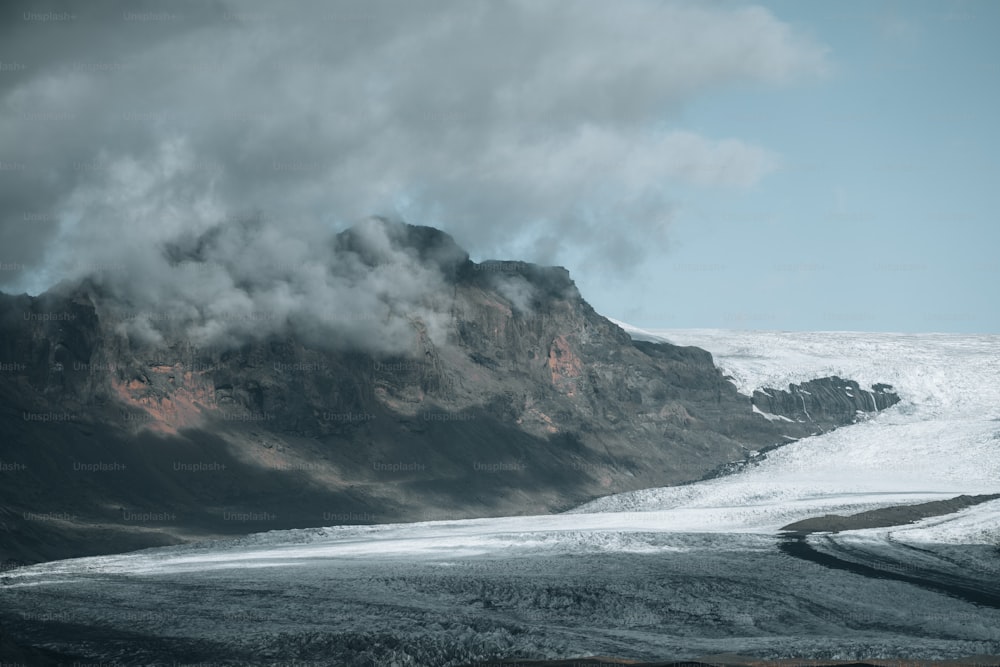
[880,217]
[772,165]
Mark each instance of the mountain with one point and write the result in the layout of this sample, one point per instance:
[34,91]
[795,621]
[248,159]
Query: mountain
[436,387]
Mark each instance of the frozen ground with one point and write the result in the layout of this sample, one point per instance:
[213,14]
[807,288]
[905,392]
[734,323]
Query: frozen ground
[658,574]
[942,440]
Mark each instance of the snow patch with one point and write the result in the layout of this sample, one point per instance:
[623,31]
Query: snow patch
[768,416]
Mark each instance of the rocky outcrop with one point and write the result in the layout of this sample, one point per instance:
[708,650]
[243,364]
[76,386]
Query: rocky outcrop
[825,402]
[886,517]
[513,397]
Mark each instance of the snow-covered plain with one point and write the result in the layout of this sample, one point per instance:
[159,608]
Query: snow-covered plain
[657,574]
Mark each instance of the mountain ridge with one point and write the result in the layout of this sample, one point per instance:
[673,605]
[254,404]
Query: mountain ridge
[510,396]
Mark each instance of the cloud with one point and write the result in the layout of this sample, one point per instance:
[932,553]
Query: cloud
[362,289]
[544,128]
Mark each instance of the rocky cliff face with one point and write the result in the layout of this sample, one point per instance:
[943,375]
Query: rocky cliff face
[823,401]
[510,395]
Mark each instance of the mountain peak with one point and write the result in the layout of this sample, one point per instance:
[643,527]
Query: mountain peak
[375,239]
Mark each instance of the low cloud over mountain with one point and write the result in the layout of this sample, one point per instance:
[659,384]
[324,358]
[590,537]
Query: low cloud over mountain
[541,131]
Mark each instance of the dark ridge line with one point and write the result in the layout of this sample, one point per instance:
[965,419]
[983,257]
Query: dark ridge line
[886,517]
[797,546]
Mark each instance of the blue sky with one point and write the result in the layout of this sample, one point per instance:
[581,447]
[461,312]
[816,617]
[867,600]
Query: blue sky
[883,213]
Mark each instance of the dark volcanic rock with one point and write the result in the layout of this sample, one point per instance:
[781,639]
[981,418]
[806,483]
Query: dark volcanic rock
[887,516]
[515,398]
[826,402]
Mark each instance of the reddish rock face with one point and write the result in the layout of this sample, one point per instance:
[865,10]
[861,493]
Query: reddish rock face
[566,367]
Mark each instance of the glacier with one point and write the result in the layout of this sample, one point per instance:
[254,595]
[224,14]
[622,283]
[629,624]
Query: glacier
[668,573]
